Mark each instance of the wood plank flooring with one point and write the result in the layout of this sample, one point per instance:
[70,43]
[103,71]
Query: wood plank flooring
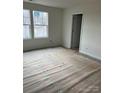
[60,70]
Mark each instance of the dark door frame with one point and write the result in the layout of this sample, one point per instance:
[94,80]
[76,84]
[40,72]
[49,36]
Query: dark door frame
[72,29]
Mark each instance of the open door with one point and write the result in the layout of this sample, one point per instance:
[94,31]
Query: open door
[76,30]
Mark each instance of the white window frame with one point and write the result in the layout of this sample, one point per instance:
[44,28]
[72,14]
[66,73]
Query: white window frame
[32,25]
[30,30]
[40,25]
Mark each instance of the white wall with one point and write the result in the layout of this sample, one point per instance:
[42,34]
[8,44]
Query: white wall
[90,41]
[55,28]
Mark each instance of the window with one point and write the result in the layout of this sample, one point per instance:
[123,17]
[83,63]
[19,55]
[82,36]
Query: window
[26,24]
[40,22]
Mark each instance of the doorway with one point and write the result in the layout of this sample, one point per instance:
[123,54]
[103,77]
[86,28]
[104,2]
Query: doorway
[76,31]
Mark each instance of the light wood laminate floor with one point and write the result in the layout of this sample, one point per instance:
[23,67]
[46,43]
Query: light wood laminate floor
[60,70]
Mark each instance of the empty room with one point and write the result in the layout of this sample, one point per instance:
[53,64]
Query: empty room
[62,46]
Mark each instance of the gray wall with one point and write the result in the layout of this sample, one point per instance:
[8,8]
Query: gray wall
[90,40]
[55,28]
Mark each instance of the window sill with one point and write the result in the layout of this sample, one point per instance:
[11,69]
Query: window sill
[40,37]
[27,39]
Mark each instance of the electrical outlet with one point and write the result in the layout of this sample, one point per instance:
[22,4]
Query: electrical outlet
[50,40]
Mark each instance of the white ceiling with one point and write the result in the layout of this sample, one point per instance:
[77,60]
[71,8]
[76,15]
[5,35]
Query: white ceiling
[60,3]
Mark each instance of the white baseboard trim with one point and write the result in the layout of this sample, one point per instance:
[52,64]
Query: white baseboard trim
[90,55]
